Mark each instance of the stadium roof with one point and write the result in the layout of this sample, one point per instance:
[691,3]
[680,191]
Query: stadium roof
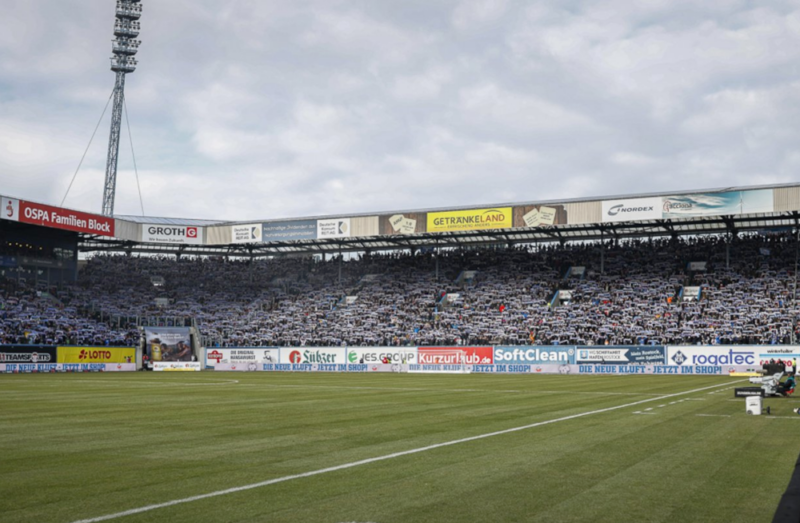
[199,222]
[722,210]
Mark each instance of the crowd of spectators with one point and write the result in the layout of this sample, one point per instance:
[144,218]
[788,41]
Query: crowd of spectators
[629,293]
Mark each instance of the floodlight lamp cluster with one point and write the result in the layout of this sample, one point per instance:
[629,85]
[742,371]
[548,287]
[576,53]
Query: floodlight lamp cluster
[126,29]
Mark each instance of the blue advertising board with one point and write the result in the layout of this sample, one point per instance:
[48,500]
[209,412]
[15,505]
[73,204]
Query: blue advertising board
[289,230]
[622,355]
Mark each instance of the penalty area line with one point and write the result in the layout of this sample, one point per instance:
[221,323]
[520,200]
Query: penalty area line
[367,461]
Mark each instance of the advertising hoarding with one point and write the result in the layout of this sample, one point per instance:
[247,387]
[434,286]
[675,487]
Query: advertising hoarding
[241,355]
[289,230]
[632,209]
[406,223]
[9,209]
[539,215]
[334,228]
[534,355]
[27,354]
[180,234]
[168,343]
[55,217]
[450,356]
[67,367]
[249,233]
[630,355]
[177,366]
[716,204]
[310,355]
[471,220]
[96,355]
[386,355]
[743,355]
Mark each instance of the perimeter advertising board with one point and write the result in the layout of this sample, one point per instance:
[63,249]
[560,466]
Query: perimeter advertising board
[57,218]
[241,355]
[168,343]
[739,355]
[471,220]
[310,355]
[632,209]
[386,355]
[177,366]
[630,355]
[181,234]
[250,233]
[27,354]
[778,352]
[450,355]
[96,355]
[289,230]
[533,355]
[15,368]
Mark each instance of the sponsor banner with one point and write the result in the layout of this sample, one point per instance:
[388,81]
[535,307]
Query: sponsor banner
[634,355]
[739,355]
[448,356]
[48,216]
[406,223]
[251,233]
[381,355]
[607,369]
[182,234]
[178,366]
[311,355]
[716,204]
[238,355]
[289,231]
[534,355]
[309,367]
[67,367]
[511,368]
[632,209]
[335,228]
[9,210]
[168,344]
[96,355]
[713,370]
[27,354]
[539,215]
[471,220]
[778,352]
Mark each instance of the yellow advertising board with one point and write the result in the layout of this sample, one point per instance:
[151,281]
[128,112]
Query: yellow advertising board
[471,220]
[96,355]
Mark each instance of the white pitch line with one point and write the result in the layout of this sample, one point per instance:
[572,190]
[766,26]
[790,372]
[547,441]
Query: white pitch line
[424,389]
[377,459]
[714,415]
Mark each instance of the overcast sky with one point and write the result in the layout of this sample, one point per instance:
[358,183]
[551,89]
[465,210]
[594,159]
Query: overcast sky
[243,110]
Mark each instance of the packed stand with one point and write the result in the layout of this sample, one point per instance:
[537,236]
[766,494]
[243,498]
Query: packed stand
[629,294]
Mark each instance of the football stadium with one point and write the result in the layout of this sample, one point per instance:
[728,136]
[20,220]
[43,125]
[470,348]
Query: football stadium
[620,357]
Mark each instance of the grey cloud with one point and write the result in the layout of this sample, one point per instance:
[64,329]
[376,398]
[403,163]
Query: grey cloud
[246,109]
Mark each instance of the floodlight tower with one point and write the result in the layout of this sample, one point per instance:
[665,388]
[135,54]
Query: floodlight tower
[125,46]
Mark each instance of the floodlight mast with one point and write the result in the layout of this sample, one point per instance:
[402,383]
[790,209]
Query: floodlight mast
[124,47]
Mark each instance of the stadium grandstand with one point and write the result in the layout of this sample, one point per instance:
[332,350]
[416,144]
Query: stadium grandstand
[686,268]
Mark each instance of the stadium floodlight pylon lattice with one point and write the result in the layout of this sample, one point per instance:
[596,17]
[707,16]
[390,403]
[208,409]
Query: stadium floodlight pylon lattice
[124,47]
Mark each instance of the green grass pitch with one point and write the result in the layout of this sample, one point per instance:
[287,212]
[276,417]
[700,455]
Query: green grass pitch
[82,446]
